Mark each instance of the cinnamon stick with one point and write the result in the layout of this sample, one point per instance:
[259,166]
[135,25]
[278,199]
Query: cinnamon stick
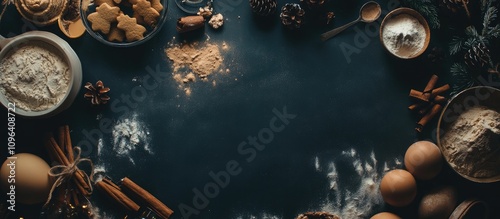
[146,198]
[415,106]
[68,144]
[117,195]
[58,154]
[62,137]
[436,108]
[435,92]
[430,86]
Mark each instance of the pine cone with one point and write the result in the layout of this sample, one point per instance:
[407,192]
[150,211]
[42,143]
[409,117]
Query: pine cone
[263,7]
[477,56]
[292,15]
[314,4]
[97,95]
[455,5]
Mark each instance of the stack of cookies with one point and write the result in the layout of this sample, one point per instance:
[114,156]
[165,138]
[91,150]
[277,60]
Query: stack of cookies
[125,20]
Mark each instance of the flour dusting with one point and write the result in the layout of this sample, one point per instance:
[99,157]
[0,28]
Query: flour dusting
[129,135]
[361,201]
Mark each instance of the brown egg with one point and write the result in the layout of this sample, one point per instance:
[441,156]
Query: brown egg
[438,203]
[25,178]
[398,188]
[385,215]
[423,160]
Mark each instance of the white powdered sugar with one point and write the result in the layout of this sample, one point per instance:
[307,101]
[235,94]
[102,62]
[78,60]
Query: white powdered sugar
[404,35]
[34,76]
[129,135]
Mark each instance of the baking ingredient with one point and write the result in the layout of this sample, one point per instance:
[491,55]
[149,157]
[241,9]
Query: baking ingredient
[216,21]
[32,181]
[385,215]
[202,59]
[428,102]
[438,203]
[360,199]
[398,188]
[472,143]
[423,160]
[34,76]
[403,35]
[129,135]
[190,23]
[196,60]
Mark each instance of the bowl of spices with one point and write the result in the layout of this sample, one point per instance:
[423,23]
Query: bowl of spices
[405,33]
[40,74]
[469,134]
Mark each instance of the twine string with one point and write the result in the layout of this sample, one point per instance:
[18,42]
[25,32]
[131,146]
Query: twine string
[63,173]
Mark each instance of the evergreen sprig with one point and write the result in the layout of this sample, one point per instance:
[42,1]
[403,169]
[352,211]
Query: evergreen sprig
[462,78]
[427,8]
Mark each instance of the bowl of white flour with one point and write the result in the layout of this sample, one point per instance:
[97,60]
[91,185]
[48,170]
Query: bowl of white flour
[40,74]
[405,33]
[469,134]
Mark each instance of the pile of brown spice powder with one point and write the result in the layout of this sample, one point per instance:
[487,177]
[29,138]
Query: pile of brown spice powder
[195,60]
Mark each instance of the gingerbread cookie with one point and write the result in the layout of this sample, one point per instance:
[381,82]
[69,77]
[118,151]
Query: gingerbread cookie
[116,34]
[100,2]
[133,31]
[139,19]
[143,8]
[103,17]
[156,4]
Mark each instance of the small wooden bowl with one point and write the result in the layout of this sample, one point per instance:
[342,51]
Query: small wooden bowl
[414,14]
[475,96]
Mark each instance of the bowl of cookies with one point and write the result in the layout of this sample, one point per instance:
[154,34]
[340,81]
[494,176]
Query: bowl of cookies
[123,23]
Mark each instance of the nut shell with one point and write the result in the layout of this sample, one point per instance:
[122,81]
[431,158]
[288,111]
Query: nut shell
[41,12]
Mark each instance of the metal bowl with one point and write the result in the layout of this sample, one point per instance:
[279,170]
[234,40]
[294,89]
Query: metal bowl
[484,96]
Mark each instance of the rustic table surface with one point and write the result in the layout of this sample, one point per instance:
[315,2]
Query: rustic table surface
[337,104]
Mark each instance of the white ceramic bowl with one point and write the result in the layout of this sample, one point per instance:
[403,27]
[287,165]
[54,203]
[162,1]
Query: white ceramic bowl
[68,55]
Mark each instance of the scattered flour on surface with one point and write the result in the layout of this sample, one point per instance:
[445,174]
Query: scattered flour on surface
[129,135]
[360,202]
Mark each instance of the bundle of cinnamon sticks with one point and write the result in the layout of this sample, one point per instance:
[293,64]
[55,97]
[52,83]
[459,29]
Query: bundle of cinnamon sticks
[428,103]
[61,152]
[133,198]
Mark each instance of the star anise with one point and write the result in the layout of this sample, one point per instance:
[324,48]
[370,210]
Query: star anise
[97,94]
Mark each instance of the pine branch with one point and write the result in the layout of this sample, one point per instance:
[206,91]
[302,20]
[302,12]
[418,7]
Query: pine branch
[426,8]
[471,32]
[494,32]
[489,17]
[456,45]
[462,78]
